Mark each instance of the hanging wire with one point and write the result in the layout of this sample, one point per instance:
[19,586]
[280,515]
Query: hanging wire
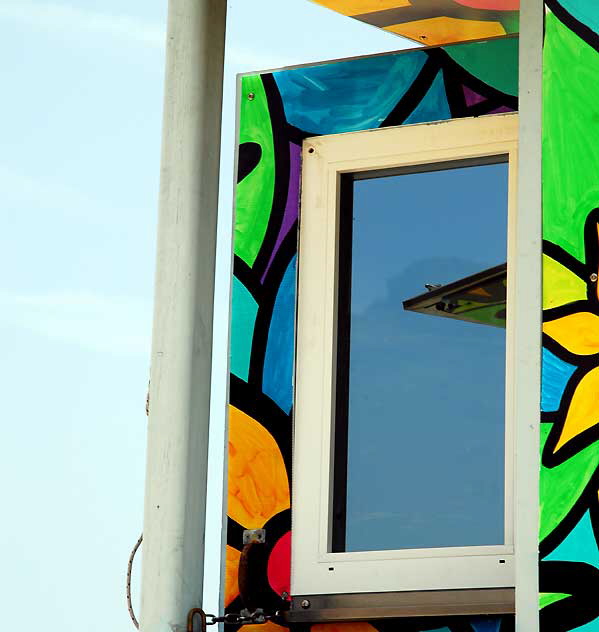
[244,617]
[129,571]
[137,545]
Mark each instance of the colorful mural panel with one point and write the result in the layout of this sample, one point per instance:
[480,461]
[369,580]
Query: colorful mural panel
[434,22]
[278,110]
[569,529]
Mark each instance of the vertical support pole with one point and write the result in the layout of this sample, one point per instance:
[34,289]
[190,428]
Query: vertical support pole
[175,500]
[528,340]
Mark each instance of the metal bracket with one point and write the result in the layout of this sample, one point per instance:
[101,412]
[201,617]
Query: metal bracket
[254,536]
[381,606]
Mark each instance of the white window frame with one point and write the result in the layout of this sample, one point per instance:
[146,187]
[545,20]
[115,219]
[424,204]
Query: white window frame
[315,570]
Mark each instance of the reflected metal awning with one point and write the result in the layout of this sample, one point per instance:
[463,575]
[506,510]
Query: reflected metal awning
[479,298]
[434,22]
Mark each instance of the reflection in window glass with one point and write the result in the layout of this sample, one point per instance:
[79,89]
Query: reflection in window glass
[420,463]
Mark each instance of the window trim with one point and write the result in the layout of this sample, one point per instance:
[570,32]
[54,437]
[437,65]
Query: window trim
[343,293]
[325,160]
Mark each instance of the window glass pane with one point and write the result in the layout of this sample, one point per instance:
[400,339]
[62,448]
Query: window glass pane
[422,454]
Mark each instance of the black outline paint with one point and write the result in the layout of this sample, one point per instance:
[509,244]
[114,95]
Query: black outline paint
[248,396]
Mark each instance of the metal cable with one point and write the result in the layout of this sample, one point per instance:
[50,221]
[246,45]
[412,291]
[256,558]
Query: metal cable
[137,545]
[129,571]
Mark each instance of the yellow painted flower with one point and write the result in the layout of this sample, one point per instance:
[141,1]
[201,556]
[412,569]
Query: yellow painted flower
[571,332]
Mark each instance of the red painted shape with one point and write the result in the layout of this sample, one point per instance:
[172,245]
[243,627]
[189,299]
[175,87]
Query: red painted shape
[279,565]
[491,5]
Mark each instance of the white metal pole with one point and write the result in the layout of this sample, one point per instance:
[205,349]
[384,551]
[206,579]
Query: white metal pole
[175,500]
[527,378]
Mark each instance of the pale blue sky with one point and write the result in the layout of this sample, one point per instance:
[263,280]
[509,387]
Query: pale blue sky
[79,165]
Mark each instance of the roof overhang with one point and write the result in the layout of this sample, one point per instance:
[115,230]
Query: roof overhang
[434,22]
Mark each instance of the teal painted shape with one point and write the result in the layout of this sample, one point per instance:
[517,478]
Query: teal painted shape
[277,379]
[494,62]
[593,626]
[485,625]
[584,11]
[555,374]
[579,546]
[347,96]
[243,320]
[434,106]
[446,629]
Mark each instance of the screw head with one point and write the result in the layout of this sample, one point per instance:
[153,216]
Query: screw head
[251,96]
[594,277]
[305,603]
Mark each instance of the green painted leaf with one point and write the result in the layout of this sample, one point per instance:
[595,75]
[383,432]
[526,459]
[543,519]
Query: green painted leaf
[546,599]
[562,486]
[494,62]
[570,121]
[254,195]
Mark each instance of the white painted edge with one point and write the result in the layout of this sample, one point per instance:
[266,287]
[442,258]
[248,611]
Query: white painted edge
[226,403]
[415,46]
[527,377]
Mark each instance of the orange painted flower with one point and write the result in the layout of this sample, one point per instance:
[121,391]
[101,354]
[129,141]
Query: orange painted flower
[258,487]
[231,574]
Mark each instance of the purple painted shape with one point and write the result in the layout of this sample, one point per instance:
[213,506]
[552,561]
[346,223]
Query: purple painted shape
[472,98]
[503,108]
[292,205]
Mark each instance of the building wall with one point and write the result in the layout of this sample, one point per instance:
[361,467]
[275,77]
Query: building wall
[277,111]
[569,480]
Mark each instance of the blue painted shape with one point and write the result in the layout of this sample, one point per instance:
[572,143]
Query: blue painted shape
[347,96]
[555,374]
[579,546]
[434,106]
[277,380]
[485,625]
[243,319]
[584,11]
[593,626]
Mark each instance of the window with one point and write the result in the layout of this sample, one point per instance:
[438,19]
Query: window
[403,439]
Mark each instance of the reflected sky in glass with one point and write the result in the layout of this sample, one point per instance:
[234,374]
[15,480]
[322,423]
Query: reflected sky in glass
[426,393]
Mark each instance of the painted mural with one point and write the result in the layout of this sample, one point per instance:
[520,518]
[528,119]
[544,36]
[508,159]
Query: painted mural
[277,111]
[434,22]
[569,529]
